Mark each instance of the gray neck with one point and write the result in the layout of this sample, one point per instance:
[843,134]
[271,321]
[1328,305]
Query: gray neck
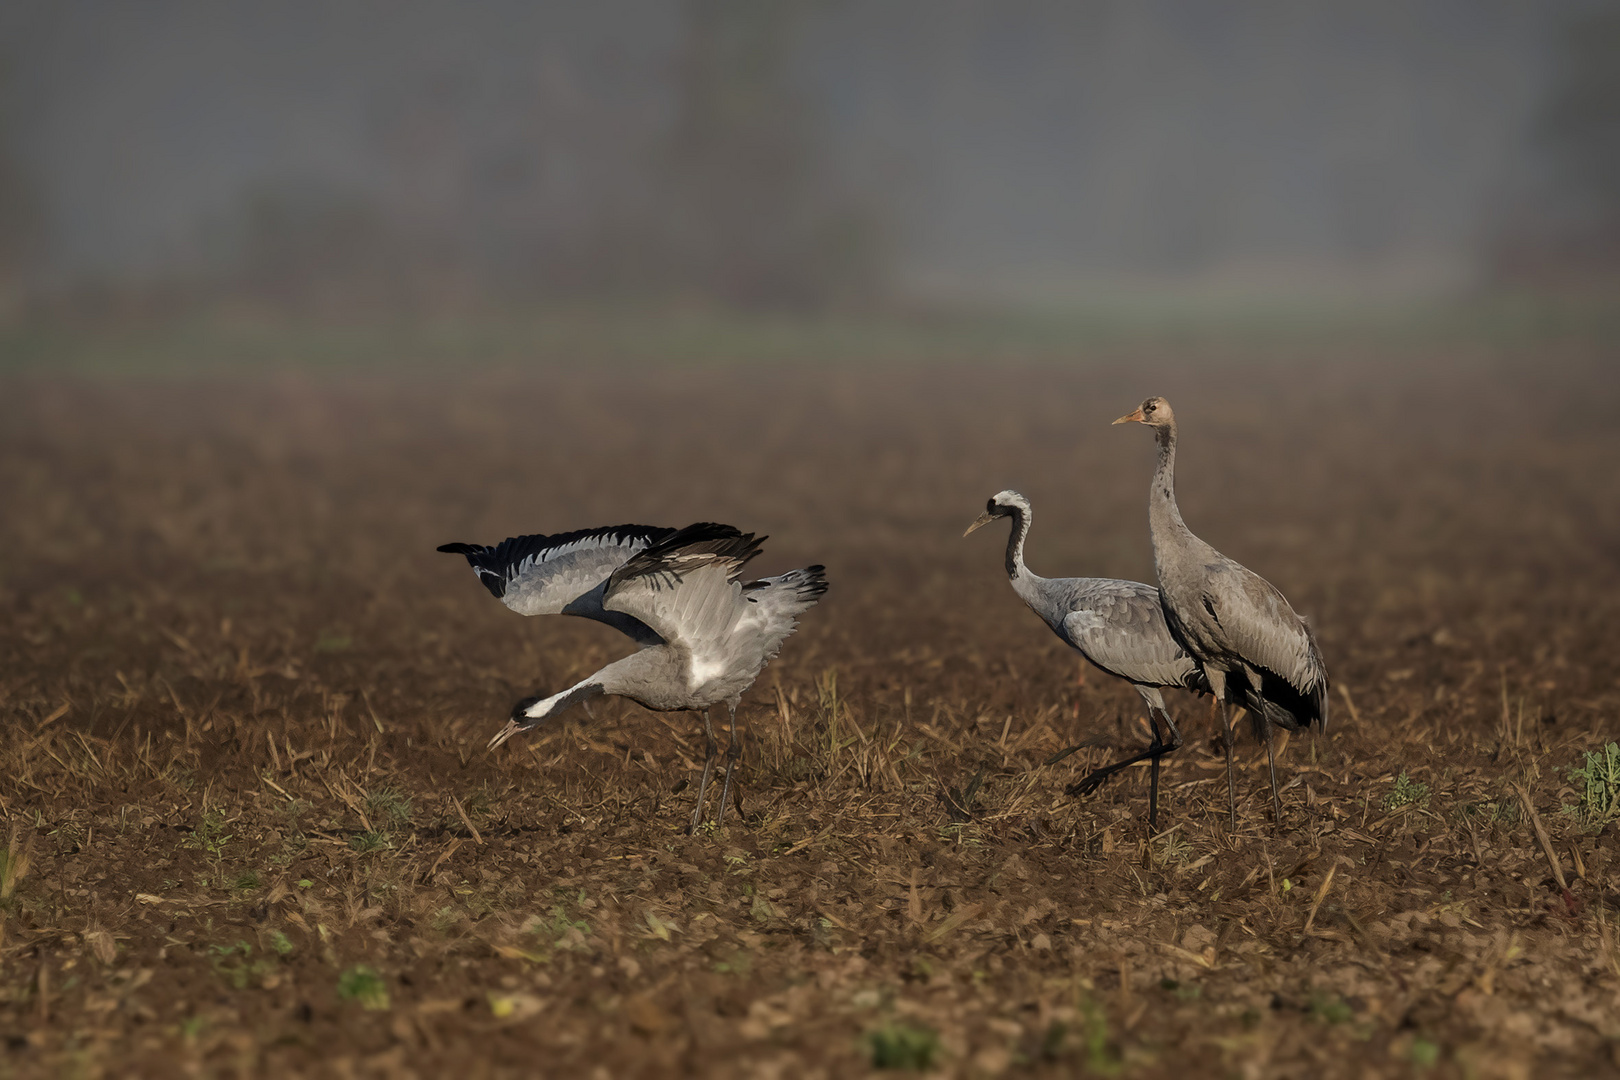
[1024,581]
[1164,517]
[1015,542]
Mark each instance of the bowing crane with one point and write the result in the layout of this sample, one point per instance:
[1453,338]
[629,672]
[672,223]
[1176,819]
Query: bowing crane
[704,633]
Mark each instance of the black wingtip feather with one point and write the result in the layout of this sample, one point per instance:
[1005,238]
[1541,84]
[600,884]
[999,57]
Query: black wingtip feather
[1285,705]
[723,543]
[815,583]
[705,538]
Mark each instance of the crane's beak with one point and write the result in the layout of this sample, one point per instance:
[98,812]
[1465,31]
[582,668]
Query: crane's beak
[980,522]
[1135,417]
[512,728]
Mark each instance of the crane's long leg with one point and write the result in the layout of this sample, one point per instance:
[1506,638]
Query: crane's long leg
[1217,686]
[1153,777]
[1173,744]
[708,769]
[1264,726]
[1093,780]
[1231,778]
[1156,749]
[1271,759]
[733,752]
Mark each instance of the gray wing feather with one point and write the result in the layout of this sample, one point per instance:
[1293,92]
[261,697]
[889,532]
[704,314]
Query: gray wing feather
[689,590]
[563,574]
[1120,627]
[1263,629]
[547,586]
[687,586]
[772,607]
[697,611]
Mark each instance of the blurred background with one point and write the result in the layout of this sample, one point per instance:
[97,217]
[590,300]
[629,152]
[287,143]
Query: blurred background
[184,180]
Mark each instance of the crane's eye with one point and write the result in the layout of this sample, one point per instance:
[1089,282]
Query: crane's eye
[1149,407]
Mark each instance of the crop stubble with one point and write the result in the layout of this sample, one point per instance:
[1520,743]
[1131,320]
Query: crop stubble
[245,706]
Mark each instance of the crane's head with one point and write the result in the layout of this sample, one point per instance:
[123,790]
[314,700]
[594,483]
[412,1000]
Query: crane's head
[1154,412]
[531,712]
[1002,504]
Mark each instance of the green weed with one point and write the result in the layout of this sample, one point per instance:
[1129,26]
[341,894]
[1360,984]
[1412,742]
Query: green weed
[209,835]
[900,1046]
[741,963]
[1183,991]
[1406,792]
[364,985]
[560,931]
[388,808]
[1596,781]
[1330,1009]
[236,965]
[1101,1058]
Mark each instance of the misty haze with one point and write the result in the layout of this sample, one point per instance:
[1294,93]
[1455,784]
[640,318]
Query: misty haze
[798,153]
[349,349]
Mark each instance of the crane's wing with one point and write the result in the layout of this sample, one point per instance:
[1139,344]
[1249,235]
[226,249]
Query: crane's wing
[771,610]
[562,574]
[686,587]
[1263,629]
[1120,627]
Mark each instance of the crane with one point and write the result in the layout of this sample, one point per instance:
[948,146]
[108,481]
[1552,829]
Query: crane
[1254,650]
[704,633]
[1117,625]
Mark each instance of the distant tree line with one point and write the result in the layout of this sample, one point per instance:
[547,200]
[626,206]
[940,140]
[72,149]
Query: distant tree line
[730,199]
[1569,230]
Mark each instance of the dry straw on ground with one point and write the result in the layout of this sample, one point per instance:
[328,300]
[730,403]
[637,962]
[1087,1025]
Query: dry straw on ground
[255,830]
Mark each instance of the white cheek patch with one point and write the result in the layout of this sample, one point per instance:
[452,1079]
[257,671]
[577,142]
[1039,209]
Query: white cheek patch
[540,708]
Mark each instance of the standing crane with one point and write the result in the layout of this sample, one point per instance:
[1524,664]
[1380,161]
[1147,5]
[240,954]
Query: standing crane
[1117,625]
[704,633]
[1254,651]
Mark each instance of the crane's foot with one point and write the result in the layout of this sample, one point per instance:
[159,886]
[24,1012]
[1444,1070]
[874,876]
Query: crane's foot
[1094,779]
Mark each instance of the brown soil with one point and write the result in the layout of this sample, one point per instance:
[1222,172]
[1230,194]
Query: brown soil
[245,703]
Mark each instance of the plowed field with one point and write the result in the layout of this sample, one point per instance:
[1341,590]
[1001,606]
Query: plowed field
[255,831]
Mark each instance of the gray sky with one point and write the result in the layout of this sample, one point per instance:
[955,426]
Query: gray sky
[1025,150]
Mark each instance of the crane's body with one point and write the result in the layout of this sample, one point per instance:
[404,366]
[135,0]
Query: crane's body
[704,633]
[1254,650]
[1119,626]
